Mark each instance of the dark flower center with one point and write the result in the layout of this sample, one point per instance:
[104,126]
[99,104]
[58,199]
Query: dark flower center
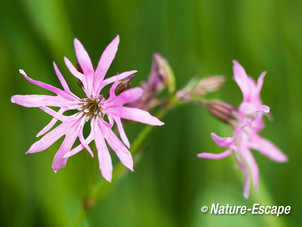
[91,107]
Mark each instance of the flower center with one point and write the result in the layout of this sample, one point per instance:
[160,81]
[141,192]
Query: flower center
[91,107]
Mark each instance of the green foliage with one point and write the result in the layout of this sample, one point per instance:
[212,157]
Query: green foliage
[170,184]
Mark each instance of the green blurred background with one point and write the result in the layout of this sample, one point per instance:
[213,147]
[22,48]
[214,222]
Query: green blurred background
[170,184]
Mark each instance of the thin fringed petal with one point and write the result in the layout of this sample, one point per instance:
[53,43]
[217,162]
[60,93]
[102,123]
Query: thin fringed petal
[105,62]
[54,114]
[267,148]
[61,78]
[260,82]
[250,160]
[80,147]
[84,59]
[51,137]
[112,91]
[134,114]
[129,96]
[246,186]
[105,162]
[59,161]
[82,139]
[120,150]
[222,141]
[47,86]
[111,121]
[251,108]
[215,156]
[39,100]
[115,78]
[122,131]
[85,79]
[50,124]
[257,123]
[74,71]
[241,79]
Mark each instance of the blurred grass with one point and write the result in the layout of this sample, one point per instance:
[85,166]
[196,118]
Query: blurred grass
[169,185]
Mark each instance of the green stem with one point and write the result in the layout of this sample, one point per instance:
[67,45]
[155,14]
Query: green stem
[80,218]
[103,187]
[263,198]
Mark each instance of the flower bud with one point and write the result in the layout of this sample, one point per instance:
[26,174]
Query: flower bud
[79,68]
[165,72]
[80,84]
[196,89]
[123,84]
[208,84]
[223,111]
[186,92]
[161,76]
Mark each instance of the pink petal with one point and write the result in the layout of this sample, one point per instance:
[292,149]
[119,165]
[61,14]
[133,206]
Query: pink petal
[83,140]
[129,96]
[55,114]
[87,84]
[80,147]
[133,114]
[122,131]
[246,186]
[75,72]
[39,100]
[112,79]
[47,86]
[257,123]
[267,148]
[105,62]
[51,137]
[241,79]
[61,78]
[112,90]
[50,124]
[222,141]
[251,108]
[59,161]
[105,162]
[84,60]
[111,121]
[253,96]
[215,156]
[120,150]
[260,82]
[248,157]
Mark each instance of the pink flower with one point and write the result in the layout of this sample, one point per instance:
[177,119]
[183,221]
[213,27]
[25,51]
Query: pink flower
[247,121]
[94,108]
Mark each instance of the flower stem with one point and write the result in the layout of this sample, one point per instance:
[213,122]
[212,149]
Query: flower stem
[264,199]
[80,218]
[103,187]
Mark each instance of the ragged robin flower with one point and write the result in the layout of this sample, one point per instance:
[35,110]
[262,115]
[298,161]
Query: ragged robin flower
[100,111]
[247,122]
